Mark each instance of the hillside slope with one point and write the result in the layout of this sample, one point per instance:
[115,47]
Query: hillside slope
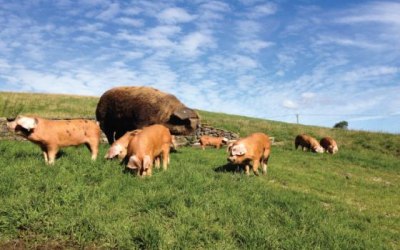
[346,201]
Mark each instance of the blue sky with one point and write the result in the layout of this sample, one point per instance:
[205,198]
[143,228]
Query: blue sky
[327,61]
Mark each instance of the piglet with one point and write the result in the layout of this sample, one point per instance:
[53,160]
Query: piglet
[308,142]
[119,147]
[152,142]
[252,150]
[51,135]
[217,142]
[329,145]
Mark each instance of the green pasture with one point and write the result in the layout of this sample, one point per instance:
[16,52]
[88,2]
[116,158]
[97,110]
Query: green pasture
[306,201]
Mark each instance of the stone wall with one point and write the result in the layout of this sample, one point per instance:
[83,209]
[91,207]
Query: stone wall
[205,130]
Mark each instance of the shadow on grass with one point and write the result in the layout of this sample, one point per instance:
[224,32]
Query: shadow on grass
[230,168]
[130,171]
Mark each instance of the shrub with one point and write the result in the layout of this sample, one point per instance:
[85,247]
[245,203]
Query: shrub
[342,125]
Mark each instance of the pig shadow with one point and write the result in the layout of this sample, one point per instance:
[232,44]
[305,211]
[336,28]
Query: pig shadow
[130,171]
[229,168]
[60,154]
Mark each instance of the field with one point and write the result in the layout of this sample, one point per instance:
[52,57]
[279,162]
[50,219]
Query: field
[307,201]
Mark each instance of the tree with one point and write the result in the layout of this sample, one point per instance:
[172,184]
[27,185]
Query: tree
[342,125]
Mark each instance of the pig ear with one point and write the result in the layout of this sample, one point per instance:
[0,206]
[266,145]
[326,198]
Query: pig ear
[185,113]
[133,162]
[228,149]
[239,150]
[27,123]
[146,162]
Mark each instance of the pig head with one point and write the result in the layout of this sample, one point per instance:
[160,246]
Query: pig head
[183,121]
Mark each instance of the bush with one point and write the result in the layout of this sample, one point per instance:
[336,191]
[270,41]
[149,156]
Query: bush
[342,125]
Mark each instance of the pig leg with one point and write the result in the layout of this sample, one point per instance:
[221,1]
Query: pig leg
[255,167]
[93,146]
[44,151]
[46,157]
[109,131]
[148,172]
[52,152]
[165,156]
[265,161]
[157,162]
[247,169]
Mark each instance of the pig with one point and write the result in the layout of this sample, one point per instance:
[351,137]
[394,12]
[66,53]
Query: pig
[212,141]
[329,145]
[144,148]
[120,146]
[255,149]
[308,143]
[123,109]
[51,135]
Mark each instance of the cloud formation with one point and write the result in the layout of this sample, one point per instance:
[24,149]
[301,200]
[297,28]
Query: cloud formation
[324,61]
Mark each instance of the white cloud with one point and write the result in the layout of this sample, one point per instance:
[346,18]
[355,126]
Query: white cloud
[95,2]
[157,37]
[365,74]
[254,46]
[248,28]
[112,11]
[175,15]
[236,62]
[262,10]
[374,12]
[133,55]
[130,21]
[192,43]
[132,11]
[290,104]
[364,44]
[91,27]
[85,39]
[211,14]
[308,95]
[215,6]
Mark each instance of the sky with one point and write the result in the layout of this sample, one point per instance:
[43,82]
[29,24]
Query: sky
[326,61]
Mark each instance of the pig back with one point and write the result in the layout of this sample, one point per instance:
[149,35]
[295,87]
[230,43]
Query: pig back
[150,140]
[256,143]
[66,132]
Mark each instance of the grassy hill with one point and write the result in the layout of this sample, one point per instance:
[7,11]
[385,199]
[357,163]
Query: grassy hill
[348,200]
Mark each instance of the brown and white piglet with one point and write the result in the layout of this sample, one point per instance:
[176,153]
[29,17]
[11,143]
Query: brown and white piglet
[329,145]
[308,143]
[51,135]
[120,146]
[252,150]
[143,149]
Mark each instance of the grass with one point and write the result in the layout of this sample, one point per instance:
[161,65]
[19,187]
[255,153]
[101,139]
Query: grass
[308,201]
[47,105]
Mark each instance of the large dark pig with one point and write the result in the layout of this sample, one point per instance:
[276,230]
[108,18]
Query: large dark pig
[123,109]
